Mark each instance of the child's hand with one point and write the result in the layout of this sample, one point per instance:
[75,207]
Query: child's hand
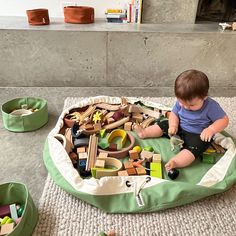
[139,130]
[172,130]
[207,134]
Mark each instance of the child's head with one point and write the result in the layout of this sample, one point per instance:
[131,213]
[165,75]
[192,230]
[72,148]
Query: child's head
[191,84]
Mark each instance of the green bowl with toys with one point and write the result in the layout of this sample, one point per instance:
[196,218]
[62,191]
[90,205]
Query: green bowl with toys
[24,114]
[18,214]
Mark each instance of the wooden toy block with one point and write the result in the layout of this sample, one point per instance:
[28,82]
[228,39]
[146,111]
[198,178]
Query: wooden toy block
[147,155]
[218,148]
[156,158]
[156,170]
[109,115]
[211,156]
[141,171]
[115,164]
[69,137]
[138,117]
[97,117]
[81,142]
[118,133]
[112,147]
[118,115]
[5,211]
[123,173]
[128,165]
[148,148]
[147,122]
[92,152]
[131,171]
[102,155]
[133,155]
[97,126]
[103,144]
[128,126]
[85,114]
[7,228]
[88,127]
[83,155]
[117,123]
[102,133]
[73,156]
[80,150]
[100,163]
[110,120]
[13,210]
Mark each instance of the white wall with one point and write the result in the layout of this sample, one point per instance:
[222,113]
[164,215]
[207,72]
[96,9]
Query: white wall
[18,7]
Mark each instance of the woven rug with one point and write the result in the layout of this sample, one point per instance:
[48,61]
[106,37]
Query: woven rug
[63,214]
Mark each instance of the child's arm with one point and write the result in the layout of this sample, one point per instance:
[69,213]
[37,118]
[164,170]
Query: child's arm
[173,123]
[217,126]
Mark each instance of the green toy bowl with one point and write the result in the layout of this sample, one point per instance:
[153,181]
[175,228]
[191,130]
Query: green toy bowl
[17,119]
[18,193]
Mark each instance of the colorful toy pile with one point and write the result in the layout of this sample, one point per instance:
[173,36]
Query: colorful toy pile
[10,216]
[98,140]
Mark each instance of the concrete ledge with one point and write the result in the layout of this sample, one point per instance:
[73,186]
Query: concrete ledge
[60,93]
[148,57]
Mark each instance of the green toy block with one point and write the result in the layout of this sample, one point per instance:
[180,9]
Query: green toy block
[208,158]
[103,144]
[102,133]
[156,170]
[211,158]
[148,148]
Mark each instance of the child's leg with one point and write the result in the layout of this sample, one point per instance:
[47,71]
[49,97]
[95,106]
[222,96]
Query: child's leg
[182,159]
[153,131]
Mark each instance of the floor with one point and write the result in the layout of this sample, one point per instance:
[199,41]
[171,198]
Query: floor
[21,154]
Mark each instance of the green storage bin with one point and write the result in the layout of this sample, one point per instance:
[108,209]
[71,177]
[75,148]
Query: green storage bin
[30,122]
[18,193]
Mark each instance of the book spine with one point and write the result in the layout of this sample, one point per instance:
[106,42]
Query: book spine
[140,11]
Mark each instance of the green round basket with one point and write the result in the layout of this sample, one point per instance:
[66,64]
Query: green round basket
[18,193]
[24,123]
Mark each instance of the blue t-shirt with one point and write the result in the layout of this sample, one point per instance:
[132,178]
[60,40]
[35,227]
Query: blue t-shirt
[196,121]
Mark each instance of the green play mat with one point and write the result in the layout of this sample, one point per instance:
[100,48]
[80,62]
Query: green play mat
[142,193]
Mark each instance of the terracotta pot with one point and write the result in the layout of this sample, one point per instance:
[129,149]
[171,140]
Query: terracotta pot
[38,16]
[78,15]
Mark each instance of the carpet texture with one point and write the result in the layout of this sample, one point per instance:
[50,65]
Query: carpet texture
[63,214]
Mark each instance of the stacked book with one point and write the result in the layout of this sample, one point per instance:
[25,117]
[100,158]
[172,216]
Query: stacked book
[116,15]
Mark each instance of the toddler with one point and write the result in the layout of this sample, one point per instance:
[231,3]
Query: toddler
[195,117]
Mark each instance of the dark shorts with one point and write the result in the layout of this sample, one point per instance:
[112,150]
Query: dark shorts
[192,142]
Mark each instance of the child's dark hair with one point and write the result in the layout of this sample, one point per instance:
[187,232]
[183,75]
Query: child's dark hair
[191,84]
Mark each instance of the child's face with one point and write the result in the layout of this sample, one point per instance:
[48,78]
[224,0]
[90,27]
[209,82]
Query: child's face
[192,105]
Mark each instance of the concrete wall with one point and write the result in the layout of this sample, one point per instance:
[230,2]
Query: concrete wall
[148,60]
[169,11]
[154,11]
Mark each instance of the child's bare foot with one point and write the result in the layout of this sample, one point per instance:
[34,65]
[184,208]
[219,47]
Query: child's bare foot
[170,165]
[139,130]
